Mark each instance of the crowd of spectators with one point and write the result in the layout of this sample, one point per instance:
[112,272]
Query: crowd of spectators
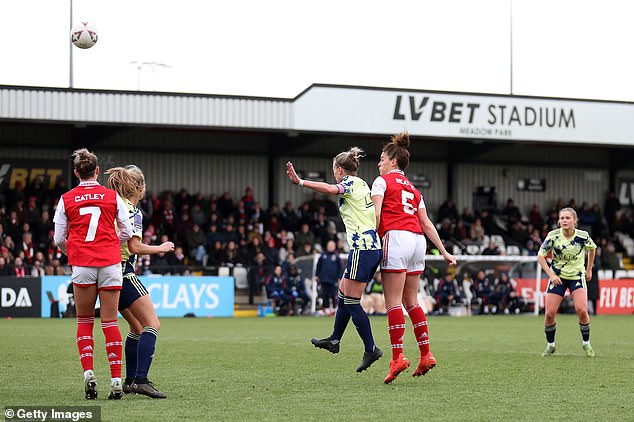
[220,231]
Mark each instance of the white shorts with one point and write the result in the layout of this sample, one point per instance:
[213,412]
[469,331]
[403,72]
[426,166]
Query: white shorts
[108,278]
[403,251]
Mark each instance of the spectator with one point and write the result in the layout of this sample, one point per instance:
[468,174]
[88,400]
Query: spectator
[146,205]
[213,236]
[32,212]
[448,210]
[160,264]
[306,250]
[182,200]
[532,248]
[459,232]
[168,219]
[198,215]
[241,213]
[288,248]
[216,254]
[328,273]
[18,268]
[43,231]
[483,291]
[37,270]
[225,205]
[305,236]
[491,249]
[28,247]
[229,233]
[296,290]
[196,243]
[257,214]
[290,217]
[231,256]
[276,291]
[248,199]
[467,217]
[535,216]
[258,271]
[506,295]
[476,232]
[177,261]
[511,212]
[35,190]
[608,259]
[447,293]
[5,268]
[183,225]
[271,252]
[13,226]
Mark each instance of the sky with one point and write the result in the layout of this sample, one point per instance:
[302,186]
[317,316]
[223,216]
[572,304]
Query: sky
[278,48]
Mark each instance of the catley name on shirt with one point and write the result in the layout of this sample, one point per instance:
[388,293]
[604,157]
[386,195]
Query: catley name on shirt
[89,196]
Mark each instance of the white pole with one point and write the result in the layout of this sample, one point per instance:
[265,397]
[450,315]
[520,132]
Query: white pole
[538,287]
[313,304]
[70,44]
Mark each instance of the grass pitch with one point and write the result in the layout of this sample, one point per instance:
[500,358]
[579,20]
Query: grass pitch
[257,369]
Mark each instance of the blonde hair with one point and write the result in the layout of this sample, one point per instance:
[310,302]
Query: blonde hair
[349,160]
[127,181]
[397,148]
[85,163]
[571,211]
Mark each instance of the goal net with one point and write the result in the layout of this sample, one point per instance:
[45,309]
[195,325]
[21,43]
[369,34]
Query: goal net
[524,271]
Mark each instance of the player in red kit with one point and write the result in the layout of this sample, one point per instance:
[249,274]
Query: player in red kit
[403,224]
[85,231]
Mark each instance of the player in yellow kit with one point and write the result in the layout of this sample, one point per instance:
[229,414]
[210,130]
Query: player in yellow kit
[357,212]
[134,303]
[566,246]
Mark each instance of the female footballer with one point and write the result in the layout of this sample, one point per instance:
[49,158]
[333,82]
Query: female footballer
[135,304]
[567,246]
[403,223]
[357,212]
[85,231]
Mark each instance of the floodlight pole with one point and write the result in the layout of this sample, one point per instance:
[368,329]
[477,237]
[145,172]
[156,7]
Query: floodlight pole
[70,45]
[511,43]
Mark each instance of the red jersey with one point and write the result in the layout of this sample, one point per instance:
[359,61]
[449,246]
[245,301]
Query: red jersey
[401,201]
[90,211]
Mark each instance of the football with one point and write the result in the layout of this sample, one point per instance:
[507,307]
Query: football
[84,35]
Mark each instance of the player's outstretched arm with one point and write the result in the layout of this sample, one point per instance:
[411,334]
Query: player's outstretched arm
[316,186]
[137,247]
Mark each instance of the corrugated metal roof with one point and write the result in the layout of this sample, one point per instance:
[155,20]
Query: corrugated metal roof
[144,108]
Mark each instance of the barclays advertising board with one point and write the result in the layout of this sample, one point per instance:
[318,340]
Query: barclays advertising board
[172,296]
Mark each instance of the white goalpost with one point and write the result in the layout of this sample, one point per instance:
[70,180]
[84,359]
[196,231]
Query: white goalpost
[488,262]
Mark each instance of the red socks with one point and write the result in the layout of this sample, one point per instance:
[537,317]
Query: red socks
[396,329]
[419,320]
[85,341]
[114,346]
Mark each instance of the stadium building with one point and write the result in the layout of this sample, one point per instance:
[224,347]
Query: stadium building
[477,149]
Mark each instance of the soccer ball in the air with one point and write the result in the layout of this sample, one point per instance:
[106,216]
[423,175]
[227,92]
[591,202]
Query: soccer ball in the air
[83,36]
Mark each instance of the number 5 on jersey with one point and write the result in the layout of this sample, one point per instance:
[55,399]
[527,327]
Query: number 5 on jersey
[406,197]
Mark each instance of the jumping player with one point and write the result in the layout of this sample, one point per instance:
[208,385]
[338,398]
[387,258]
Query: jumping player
[85,231]
[357,213]
[135,304]
[567,244]
[403,224]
